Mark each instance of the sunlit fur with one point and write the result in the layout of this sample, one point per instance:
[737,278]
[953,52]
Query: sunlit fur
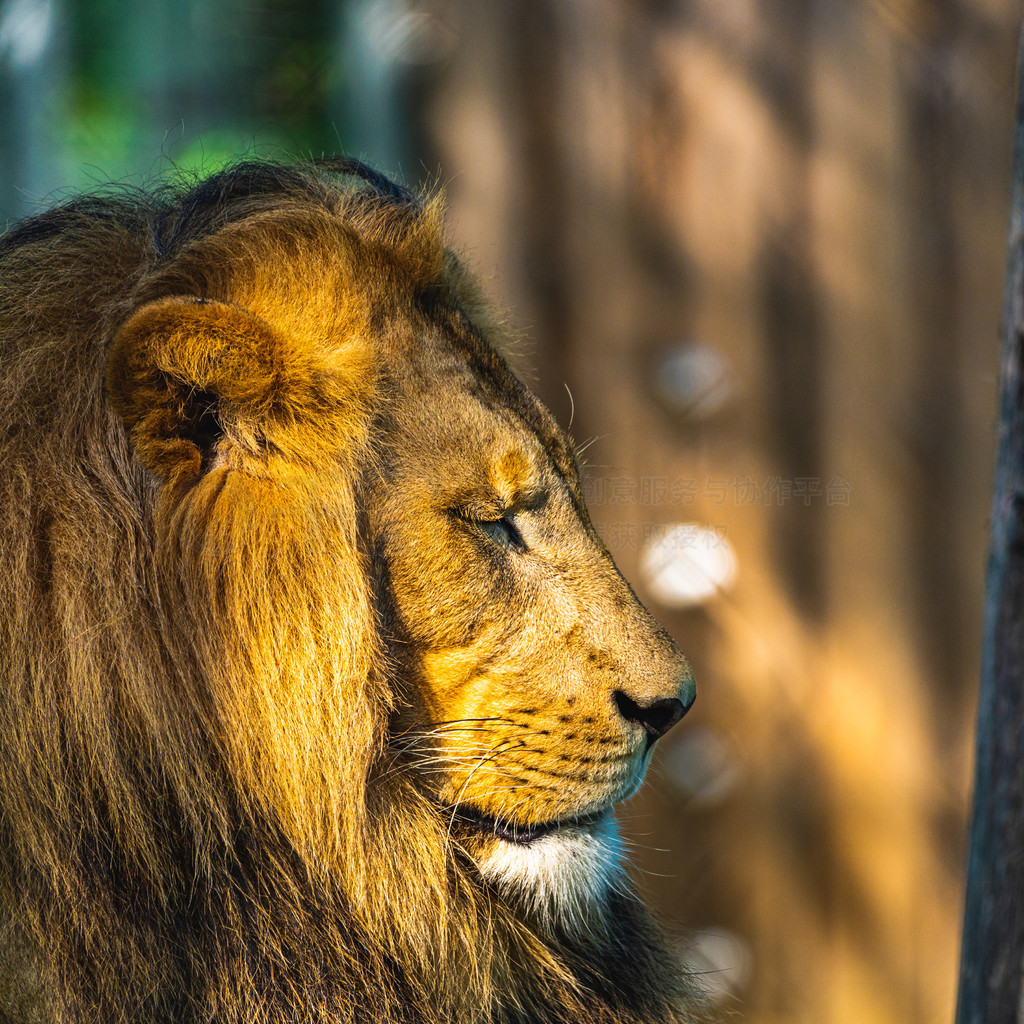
[263,647]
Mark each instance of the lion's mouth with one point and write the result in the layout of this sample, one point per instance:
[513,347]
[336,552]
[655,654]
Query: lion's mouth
[522,834]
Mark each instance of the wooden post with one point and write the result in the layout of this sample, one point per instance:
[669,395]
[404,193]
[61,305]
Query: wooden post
[992,958]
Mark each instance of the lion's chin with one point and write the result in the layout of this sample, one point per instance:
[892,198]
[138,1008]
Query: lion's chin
[560,872]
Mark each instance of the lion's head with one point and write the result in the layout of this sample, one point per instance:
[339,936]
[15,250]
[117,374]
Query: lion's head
[320,686]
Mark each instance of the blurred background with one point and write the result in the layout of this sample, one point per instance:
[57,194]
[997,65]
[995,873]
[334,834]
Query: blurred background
[753,251]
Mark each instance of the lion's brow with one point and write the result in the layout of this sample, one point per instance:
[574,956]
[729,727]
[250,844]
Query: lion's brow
[506,391]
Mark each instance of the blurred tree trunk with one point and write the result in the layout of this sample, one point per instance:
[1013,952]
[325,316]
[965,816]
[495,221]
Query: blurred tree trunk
[993,937]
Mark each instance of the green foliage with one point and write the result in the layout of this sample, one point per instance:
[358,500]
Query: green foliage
[198,83]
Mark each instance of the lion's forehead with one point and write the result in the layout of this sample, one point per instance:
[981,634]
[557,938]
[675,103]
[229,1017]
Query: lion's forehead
[462,440]
[449,384]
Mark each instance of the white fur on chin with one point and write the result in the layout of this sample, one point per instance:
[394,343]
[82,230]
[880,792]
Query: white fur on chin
[562,878]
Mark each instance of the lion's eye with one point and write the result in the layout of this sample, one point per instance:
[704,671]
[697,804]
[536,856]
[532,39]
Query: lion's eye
[502,531]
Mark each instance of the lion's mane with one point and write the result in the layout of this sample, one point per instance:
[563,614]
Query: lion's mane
[200,817]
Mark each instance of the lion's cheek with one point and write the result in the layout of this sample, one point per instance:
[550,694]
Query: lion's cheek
[455,685]
[443,597]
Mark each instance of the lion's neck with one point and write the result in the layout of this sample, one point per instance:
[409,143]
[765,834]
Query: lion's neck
[513,943]
[403,933]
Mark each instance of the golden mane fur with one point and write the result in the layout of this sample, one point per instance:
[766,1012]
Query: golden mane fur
[211,642]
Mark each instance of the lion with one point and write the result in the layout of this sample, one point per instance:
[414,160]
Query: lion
[320,688]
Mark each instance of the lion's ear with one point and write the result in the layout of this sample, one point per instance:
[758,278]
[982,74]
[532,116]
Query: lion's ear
[184,373]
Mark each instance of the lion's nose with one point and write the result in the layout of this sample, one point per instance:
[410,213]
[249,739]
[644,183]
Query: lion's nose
[656,718]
